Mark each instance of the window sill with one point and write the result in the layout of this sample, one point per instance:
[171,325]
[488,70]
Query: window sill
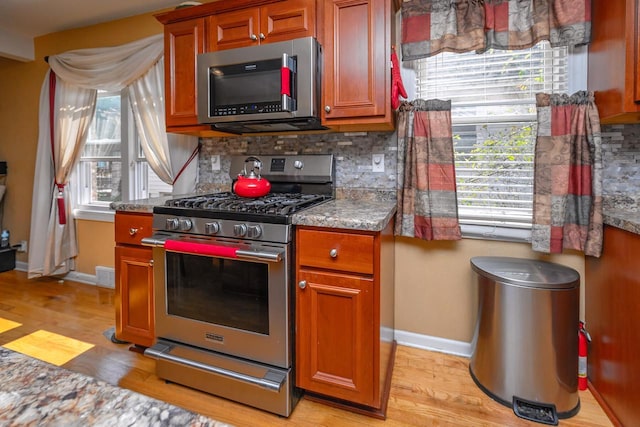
[94,215]
[487,232]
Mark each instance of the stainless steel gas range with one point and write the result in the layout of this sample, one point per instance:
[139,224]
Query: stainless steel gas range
[223,279]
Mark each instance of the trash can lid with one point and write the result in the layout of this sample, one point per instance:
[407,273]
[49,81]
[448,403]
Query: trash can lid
[526,272]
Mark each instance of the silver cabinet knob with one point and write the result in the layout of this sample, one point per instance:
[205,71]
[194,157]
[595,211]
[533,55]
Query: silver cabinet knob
[327,108]
[262,36]
[133,231]
[253,37]
[298,164]
[302,284]
[333,253]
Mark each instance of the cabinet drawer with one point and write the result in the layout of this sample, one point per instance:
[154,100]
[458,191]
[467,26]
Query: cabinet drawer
[336,251]
[130,228]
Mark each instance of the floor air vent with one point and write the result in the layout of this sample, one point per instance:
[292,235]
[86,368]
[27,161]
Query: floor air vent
[534,411]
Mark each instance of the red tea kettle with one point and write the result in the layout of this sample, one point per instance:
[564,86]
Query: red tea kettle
[251,184]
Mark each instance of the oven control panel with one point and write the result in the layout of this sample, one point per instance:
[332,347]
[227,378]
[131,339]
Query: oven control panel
[267,232]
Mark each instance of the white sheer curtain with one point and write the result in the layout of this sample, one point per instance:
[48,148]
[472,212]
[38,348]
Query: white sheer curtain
[77,76]
[166,153]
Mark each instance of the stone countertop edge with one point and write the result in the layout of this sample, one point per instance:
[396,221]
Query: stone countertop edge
[144,205]
[623,219]
[362,215]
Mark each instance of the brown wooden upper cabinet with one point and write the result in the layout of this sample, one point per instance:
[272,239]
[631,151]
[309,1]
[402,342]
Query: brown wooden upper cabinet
[356,83]
[270,23]
[183,41]
[614,60]
[355,36]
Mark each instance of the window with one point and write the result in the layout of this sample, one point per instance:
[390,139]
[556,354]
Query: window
[493,109]
[112,165]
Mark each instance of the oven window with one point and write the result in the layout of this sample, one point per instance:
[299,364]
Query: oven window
[219,291]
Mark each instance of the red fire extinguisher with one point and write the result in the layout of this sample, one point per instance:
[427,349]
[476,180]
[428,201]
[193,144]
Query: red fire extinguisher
[583,339]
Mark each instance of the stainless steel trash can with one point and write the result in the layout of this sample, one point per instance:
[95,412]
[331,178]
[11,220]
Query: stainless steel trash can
[525,345]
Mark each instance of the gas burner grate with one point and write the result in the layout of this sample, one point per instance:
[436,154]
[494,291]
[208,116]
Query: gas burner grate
[272,204]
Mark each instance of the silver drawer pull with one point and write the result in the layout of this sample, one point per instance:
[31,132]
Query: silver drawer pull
[333,253]
[133,231]
[302,284]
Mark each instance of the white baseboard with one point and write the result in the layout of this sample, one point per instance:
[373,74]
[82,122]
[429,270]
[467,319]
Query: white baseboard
[426,342]
[89,279]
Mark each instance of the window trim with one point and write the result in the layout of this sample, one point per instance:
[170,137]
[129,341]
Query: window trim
[131,167]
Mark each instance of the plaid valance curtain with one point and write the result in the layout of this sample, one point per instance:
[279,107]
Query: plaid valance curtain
[427,203]
[567,211]
[433,26]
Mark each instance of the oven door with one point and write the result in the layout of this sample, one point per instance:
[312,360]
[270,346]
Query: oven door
[225,295]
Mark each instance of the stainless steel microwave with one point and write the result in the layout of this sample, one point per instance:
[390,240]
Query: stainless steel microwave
[273,87]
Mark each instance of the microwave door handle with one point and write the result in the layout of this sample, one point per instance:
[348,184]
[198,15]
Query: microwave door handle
[287,83]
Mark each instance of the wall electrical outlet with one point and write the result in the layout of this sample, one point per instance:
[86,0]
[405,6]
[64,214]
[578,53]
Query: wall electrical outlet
[377,161]
[215,163]
[23,246]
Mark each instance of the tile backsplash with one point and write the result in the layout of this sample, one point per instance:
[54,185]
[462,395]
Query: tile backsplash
[621,160]
[353,153]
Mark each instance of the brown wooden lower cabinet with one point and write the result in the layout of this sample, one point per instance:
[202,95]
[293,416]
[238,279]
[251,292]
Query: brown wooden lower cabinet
[134,280]
[612,305]
[344,316]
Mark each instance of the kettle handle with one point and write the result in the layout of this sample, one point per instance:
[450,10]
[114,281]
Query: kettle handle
[257,163]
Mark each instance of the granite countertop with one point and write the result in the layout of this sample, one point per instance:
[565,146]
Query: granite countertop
[355,214]
[141,205]
[624,219]
[36,393]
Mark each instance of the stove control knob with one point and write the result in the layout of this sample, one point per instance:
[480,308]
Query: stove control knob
[298,164]
[254,231]
[212,228]
[185,224]
[240,230]
[172,224]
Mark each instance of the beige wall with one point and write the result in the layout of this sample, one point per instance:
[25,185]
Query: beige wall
[20,84]
[435,289]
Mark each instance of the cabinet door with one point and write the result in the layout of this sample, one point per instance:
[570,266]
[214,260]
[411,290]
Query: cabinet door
[182,42]
[238,28]
[287,20]
[612,296]
[134,295]
[357,76]
[614,40]
[637,53]
[335,337]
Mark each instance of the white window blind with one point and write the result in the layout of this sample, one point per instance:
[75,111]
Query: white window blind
[494,125]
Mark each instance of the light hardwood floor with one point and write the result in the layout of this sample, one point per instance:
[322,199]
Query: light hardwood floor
[428,388]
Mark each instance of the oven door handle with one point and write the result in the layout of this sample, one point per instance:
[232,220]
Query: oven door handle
[153,241]
[213,250]
[259,255]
